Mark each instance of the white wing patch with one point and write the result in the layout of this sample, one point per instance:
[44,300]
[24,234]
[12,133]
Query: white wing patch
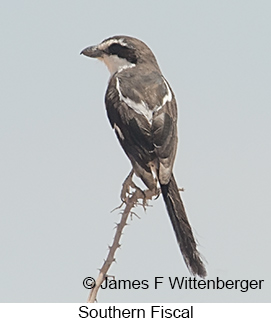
[119,131]
[168,96]
[142,107]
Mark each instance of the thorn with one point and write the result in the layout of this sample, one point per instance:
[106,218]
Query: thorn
[118,207]
[116,225]
[133,213]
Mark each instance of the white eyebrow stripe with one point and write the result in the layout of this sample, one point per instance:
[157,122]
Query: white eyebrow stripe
[109,42]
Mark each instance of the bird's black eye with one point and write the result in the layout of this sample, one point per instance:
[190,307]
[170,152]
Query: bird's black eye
[123,52]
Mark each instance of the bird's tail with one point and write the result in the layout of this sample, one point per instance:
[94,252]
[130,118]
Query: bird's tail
[182,228]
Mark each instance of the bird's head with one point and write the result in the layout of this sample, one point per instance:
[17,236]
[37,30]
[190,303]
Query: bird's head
[121,52]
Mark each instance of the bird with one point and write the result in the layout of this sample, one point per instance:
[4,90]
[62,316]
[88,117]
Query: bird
[142,110]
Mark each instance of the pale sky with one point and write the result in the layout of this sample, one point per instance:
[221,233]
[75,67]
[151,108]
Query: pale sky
[62,167]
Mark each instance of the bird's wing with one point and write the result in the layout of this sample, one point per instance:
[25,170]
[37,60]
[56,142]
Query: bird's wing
[144,119]
[131,128]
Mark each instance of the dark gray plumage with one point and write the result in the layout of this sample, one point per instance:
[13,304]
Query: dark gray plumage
[142,110]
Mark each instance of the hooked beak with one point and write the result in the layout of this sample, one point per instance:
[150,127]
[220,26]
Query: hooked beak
[92,51]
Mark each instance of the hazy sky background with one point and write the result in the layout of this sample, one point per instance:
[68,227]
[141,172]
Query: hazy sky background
[62,167]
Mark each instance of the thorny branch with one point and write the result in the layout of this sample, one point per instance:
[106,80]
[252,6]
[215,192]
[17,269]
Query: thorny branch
[129,204]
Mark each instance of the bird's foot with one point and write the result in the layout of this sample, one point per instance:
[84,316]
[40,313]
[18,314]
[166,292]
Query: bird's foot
[148,195]
[127,187]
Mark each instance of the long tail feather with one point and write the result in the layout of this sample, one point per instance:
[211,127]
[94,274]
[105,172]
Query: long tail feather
[182,228]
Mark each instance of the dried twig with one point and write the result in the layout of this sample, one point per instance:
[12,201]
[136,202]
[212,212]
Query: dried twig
[130,203]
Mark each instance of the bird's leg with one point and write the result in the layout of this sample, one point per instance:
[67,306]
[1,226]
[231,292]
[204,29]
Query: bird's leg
[146,195]
[126,185]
